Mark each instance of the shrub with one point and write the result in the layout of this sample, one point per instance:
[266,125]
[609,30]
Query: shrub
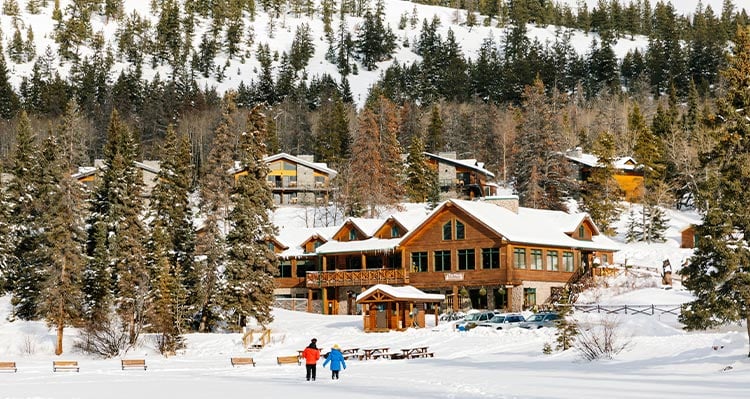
[107,339]
[603,340]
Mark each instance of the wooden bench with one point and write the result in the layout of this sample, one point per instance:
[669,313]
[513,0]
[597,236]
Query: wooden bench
[65,365]
[8,366]
[133,363]
[242,361]
[421,354]
[288,360]
[383,355]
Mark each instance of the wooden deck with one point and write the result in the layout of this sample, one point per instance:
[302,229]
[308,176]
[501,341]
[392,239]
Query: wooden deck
[366,277]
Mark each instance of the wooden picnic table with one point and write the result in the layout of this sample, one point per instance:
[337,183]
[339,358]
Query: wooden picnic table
[350,353]
[420,351]
[374,353]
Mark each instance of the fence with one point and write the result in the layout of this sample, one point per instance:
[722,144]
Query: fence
[649,310]
[297,304]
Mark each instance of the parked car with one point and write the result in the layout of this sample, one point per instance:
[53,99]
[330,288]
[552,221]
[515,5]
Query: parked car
[504,321]
[471,320]
[541,319]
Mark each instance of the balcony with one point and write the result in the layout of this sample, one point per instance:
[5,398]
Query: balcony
[367,277]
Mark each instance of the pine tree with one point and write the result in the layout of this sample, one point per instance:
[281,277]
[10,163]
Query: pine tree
[717,273]
[375,164]
[25,212]
[538,175]
[9,102]
[332,139]
[601,192]
[172,240]
[251,264]
[418,172]
[566,327]
[6,249]
[215,189]
[116,235]
[63,238]
[435,132]
[634,230]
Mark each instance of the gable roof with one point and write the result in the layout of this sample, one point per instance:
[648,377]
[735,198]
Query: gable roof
[294,239]
[379,245]
[528,226]
[405,292]
[321,167]
[591,160]
[472,164]
[85,171]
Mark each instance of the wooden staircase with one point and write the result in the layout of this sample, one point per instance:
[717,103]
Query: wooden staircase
[579,281]
[254,345]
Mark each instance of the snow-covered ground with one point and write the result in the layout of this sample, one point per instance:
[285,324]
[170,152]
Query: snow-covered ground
[660,361]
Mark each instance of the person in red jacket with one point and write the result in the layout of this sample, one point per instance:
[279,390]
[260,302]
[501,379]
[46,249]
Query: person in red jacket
[311,355]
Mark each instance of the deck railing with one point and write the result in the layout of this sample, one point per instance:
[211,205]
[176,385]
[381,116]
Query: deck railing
[365,277]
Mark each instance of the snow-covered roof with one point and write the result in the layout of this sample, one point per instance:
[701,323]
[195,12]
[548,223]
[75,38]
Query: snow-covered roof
[367,226]
[402,292]
[621,163]
[369,245]
[83,171]
[319,166]
[531,226]
[294,238]
[472,164]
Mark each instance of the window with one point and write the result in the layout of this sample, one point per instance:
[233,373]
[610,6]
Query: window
[271,246]
[285,269]
[552,261]
[304,267]
[395,233]
[490,258]
[419,261]
[352,235]
[536,259]
[568,261]
[581,232]
[442,261]
[289,166]
[460,231]
[529,297]
[605,259]
[466,259]
[519,258]
[447,231]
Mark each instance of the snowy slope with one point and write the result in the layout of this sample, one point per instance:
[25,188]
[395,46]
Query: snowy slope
[469,38]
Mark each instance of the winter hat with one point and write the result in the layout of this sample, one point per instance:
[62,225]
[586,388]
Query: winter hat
[336,346]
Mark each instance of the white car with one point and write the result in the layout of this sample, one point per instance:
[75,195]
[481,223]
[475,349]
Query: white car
[472,320]
[504,321]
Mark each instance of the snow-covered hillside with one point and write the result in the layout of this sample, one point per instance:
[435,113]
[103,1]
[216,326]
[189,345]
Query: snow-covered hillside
[280,38]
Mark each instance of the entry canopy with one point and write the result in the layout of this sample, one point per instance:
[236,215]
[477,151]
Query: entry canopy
[385,292]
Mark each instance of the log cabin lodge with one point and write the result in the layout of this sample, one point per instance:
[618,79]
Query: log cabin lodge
[483,254]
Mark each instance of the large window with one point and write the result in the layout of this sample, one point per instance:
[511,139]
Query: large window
[448,231]
[552,261]
[581,232]
[466,259]
[568,261]
[529,297]
[460,231]
[490,258]
[519,258]
[536,259]
[419,261]
[285,269]
[304,267]
[395,233]
[352,235]
[442,261]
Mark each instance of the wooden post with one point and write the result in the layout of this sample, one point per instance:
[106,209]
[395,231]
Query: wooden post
[456,300]
[309,300]
[324,298]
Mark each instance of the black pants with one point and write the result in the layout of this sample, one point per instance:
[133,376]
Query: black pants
[310,371]
[335,374]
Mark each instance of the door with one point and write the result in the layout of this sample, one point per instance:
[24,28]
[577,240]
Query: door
[381,317]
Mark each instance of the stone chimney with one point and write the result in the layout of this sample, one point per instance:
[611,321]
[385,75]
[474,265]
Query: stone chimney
[308,158]
[448,154]
[509,202]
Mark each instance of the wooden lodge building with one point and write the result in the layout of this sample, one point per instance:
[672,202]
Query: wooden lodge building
[628,174]
[466,177]
[487,254]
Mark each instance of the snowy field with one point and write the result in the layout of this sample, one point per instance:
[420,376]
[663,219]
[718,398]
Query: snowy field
[662,361]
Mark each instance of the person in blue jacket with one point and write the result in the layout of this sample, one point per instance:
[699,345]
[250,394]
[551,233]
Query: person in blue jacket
[337,361]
